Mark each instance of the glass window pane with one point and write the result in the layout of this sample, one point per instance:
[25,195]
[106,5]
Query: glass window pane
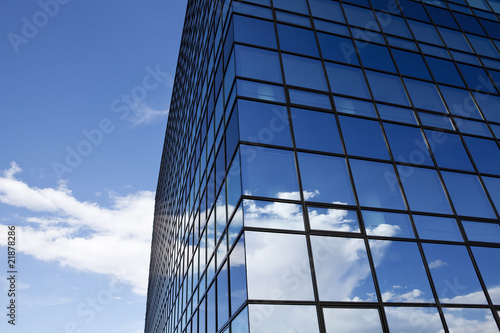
[449,150]
[273,215]
[472,127]
[303,72]
[352,320]
[376,184]
[400,272]
[407,144]
[444,71]
[425,32]
[413,320]
[470,320]
[425,95]
[268,172]
[299,6]
[347,80]
[297,40]
[436,121]
[476,78]
[342,269]
[238,278]
[485,153]
[309,99]
[266,92]
[454,276]
[375,56]
[354,106]
[389,112]
[482,231]
[272,318]
[326,9]
[488,261]
[263,123]
[273,258]
[490,105]
[387,224]
[222,297]
[337,48]
[257,63]
[253,31]
[411,64]
[493,187]
[393,24]
[363,137]
[460,102]
[424,190]
[239,324]
[467,195]
[387,88]
[360,17]
[454,39]
[325,179]
[323,125]
[332,219]
[437,228]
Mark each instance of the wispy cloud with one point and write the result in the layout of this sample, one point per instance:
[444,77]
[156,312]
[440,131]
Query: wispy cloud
[111,240]
[145,115]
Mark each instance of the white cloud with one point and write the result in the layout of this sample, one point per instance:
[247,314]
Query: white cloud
[112,240]
[145,115]
[437,263]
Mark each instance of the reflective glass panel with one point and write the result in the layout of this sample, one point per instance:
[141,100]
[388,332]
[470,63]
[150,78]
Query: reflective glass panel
[467,195]
[222,297]
[375,56]
[393,24]
[376,184]
[238,279]
[473,127]
[352,320]
[363,137]
[449,150]
[437,228]
[325,179]
[482,231]
[413,320]
[303,72]
[272,318]
[239,324]
[354,106]
[323,125]
[460,102]
[387,224]
[347,80]
[395,113]
[253,31]
[326,9]
[407,144]
[266,92]
[337,48]
[273,258]
[309,98]
[454,276]
[342,269]
[387,88]
[493,187]
[488,261]
[297,40]
[425,95]
[333,219]
[470,320]
[400,272]
[411,64]
[360,17]
[444,71]
[485,153]
[268,172]
[274,215]
[490,105]
[257,63]
[299,6]
[263,123]
[423,190]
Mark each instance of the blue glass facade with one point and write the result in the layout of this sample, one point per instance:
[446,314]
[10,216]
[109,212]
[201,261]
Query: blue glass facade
[331,166]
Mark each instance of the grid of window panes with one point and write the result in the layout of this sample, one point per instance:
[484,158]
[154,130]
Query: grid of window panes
[331,166]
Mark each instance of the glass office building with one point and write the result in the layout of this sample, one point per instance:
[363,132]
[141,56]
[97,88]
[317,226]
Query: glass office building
[331,166]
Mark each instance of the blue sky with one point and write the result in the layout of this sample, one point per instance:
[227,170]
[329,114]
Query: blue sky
[85,90]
